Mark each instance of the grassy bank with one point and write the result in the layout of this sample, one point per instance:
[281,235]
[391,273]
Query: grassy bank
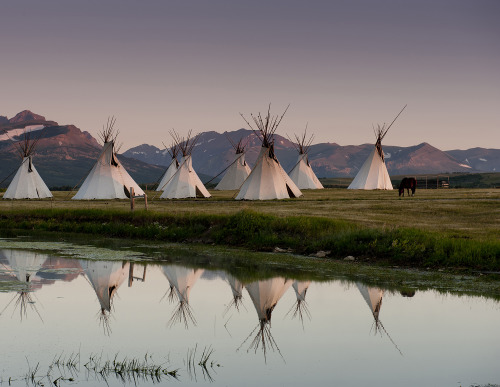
[415,247]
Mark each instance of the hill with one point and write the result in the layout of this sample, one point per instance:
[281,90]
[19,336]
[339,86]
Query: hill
[481,159]
[213,153]
[64,154]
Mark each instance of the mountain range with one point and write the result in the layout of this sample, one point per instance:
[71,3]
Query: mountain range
[65,154]
[213,152]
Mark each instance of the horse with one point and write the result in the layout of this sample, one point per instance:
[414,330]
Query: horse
[408,183]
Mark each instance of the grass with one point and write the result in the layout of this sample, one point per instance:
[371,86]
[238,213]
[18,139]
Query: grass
[451,228]
[68,369]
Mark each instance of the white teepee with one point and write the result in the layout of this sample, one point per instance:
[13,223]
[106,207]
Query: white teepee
[108,179]
[237,172]
[27,183]
[267,180]
[185,183]
[182,279]
[172,168]
[302,174]
[265,296]
[373,173]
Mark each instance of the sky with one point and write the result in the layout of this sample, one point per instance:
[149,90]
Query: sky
[343,66]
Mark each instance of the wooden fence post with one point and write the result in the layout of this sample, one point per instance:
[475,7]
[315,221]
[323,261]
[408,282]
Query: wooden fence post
[132,193]
[146,201]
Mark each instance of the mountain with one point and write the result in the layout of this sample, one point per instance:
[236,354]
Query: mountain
[213,153]
[64,154]
[480,159]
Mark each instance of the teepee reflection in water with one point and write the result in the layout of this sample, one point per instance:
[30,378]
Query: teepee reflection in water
[105,277]
[237,290]
[373,297]
[265,296]
[22,266]
[300,308]
[182,279]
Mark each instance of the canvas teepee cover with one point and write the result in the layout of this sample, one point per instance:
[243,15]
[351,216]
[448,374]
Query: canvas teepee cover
[267,180]
[237,172]
[108,179]
[185,183]
[27,183]
[373,173]
[172,168]
[302,174]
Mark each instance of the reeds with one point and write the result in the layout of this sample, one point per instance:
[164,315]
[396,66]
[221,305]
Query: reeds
[69,368]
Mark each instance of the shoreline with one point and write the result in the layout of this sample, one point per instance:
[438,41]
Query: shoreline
[256,231]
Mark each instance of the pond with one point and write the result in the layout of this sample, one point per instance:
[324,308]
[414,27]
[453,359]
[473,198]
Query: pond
[130,321]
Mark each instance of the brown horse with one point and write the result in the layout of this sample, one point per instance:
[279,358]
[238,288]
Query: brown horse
[408,183]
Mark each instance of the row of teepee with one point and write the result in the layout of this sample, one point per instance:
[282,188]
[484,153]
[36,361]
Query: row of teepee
[108,179]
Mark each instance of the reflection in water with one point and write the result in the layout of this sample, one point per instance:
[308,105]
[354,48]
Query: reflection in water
[300,307]
[105,278]
[182,279]
[237,290]
[373,297]
[23,267]
[265,296]
[336,342]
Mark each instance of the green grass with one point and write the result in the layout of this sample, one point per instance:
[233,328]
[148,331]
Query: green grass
[448,227]
[256,230]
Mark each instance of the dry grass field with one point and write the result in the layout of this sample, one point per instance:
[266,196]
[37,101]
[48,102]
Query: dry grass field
[462,213]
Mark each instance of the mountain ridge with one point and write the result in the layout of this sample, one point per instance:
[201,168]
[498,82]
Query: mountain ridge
[65,154]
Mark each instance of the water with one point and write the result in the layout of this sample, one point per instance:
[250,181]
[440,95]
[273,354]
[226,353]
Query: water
[350,334]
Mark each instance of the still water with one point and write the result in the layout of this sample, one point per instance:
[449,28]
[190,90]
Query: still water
[269,332]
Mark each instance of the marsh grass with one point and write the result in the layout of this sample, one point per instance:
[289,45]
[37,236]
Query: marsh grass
[205,362]
[451,228]
[69,369]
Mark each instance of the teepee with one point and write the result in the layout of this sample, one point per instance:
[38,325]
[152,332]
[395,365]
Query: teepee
[185,183]
[108,179]
[265,296]
[27,183]
[172,168]
[238,171]
[373,173]
[267,180]
[182,279]
[105,277]
[302,174]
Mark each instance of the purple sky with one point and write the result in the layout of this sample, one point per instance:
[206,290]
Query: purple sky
[342,66]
